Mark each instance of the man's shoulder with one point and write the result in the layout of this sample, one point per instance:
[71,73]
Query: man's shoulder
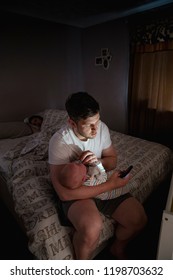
[61,133]
[103,127]
[103,124]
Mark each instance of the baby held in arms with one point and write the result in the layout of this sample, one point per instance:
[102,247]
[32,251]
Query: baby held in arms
[75,174]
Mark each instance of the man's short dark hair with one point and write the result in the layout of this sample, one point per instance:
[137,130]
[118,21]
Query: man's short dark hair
[81,105]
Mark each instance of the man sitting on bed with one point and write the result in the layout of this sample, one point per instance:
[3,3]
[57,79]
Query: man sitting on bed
[79,207]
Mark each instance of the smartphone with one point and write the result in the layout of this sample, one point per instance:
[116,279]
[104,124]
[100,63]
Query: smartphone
[125,172]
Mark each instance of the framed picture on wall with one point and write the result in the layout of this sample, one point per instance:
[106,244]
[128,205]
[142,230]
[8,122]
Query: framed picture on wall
[99,61]
[104,52]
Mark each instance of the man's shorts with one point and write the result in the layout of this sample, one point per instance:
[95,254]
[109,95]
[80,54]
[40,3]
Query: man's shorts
[107,207]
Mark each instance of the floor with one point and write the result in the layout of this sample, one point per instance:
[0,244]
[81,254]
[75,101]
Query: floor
[143,247]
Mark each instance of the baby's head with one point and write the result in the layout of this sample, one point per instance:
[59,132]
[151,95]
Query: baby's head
[73,175]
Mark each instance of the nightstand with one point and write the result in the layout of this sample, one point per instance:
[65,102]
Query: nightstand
[165,244]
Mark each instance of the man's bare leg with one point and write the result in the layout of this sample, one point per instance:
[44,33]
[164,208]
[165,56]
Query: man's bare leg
[131,219]
[87,222]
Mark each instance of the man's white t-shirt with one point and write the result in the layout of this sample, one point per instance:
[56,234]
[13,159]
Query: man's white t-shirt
[65,146]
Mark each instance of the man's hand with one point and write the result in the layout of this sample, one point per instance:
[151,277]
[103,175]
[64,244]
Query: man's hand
[88,157]
[116,182]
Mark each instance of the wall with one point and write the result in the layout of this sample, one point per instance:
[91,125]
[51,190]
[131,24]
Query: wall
[43,62]
[40,65]
[110,86]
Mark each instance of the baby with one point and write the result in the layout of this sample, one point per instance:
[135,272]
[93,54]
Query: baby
[35,123]
[75,174]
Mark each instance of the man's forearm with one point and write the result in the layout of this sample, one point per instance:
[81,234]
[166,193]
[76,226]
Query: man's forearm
[85,192]
[109,163]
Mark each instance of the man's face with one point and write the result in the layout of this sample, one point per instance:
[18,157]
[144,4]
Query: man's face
[87,128]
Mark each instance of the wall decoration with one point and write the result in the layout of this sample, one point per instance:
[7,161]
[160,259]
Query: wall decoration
[104,59]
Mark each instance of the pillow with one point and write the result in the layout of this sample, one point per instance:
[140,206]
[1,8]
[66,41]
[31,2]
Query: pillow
[53,119]
[14,130]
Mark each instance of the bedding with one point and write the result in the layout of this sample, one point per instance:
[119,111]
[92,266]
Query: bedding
[25,168]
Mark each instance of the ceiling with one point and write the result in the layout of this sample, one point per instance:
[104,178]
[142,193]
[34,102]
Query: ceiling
[80,13]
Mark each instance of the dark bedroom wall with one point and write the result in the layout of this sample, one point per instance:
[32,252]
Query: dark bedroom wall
[109,86]
[40,64]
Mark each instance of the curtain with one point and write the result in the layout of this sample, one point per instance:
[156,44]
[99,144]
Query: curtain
[151,86]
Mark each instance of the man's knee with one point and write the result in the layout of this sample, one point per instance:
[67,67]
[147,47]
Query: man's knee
[140,220]
[91,231]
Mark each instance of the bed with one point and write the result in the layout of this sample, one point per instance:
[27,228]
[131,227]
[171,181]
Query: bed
[26,188]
